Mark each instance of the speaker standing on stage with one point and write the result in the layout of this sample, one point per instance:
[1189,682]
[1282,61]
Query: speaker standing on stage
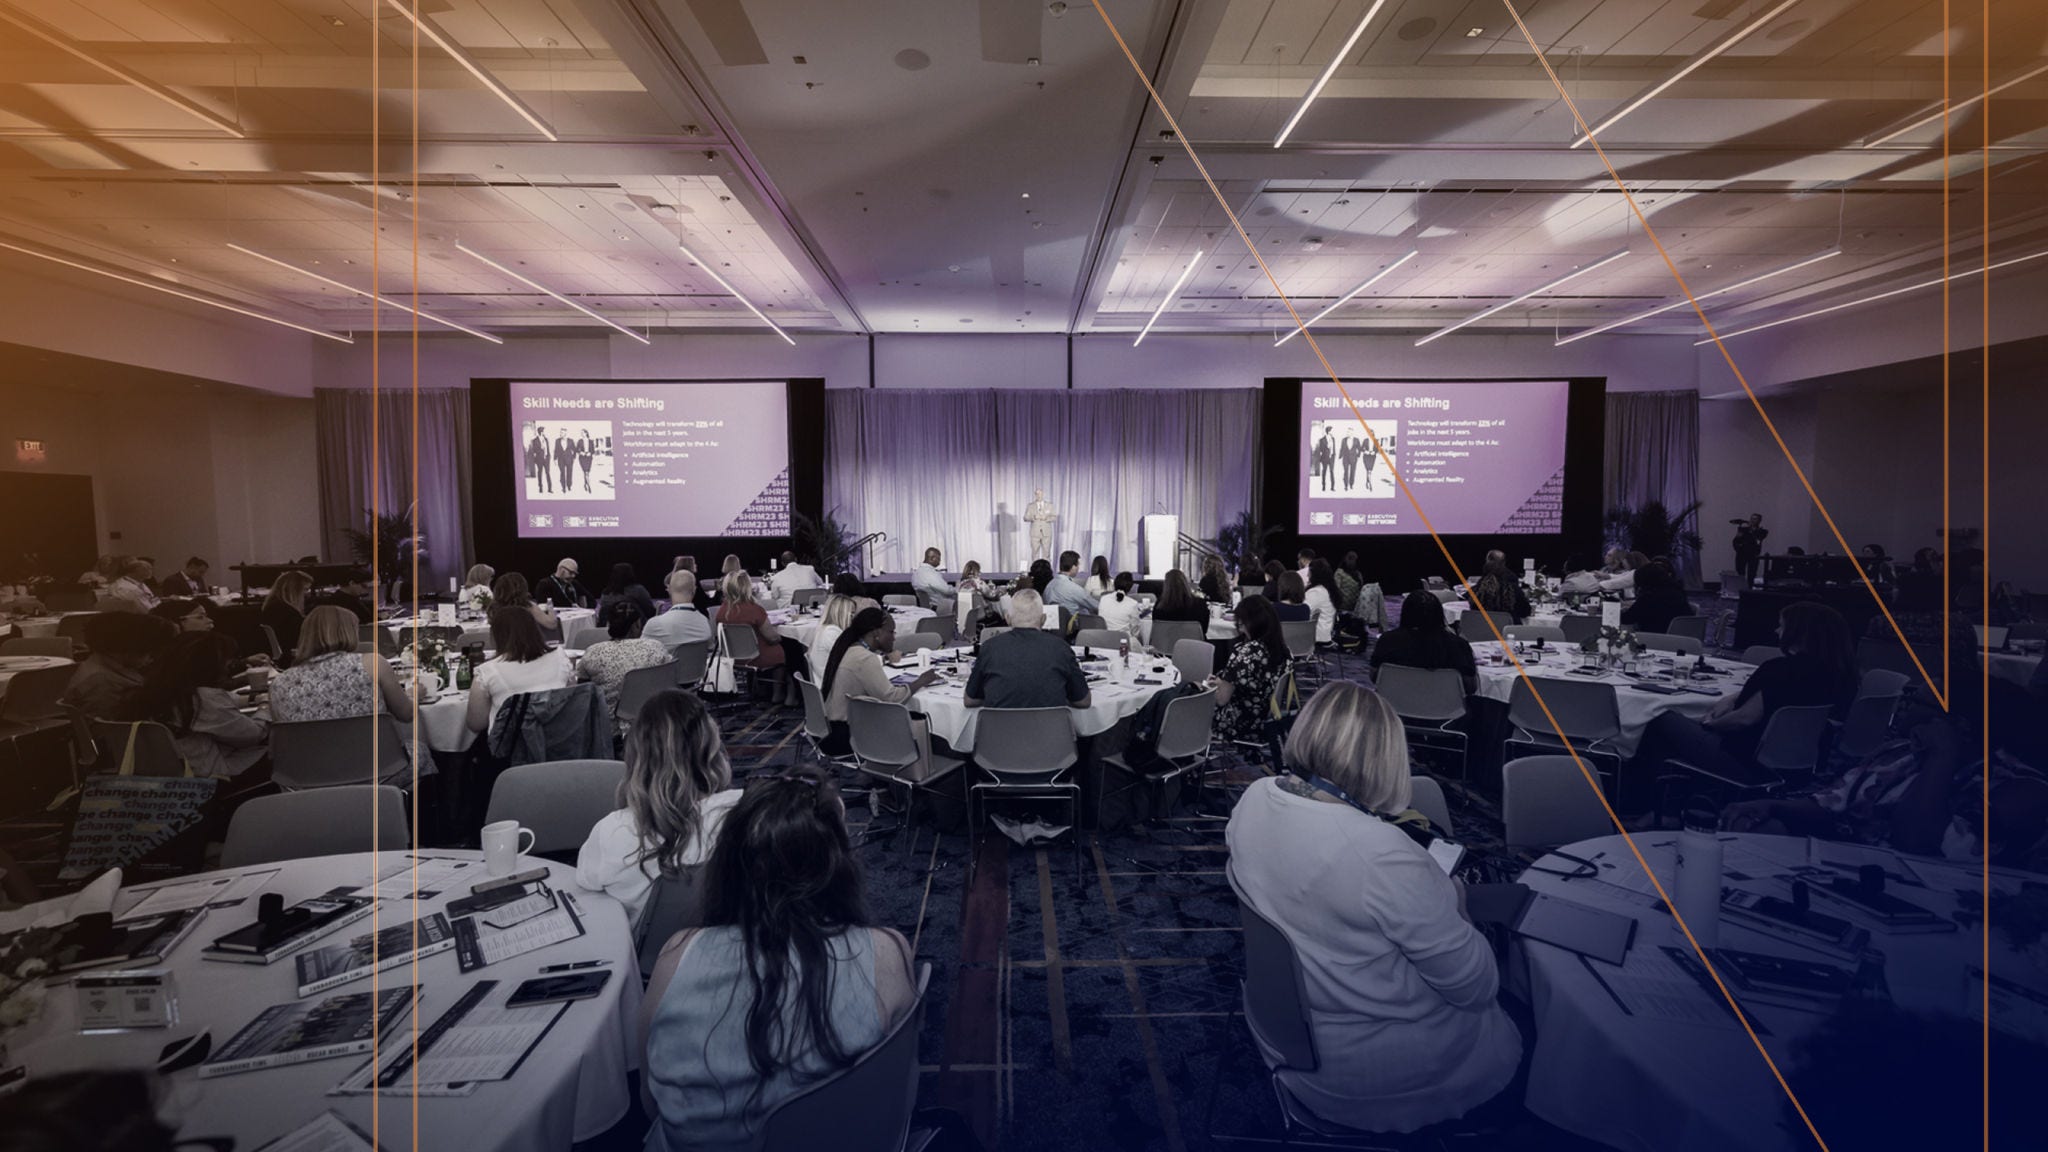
[1749,545]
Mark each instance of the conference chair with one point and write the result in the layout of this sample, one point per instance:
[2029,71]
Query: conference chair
[987,634]
[560,800]
[59,646]
[885,747]
[66,599]
[915,642]
[352,750]
[867,1105]
[1530,633]
[1024,754]
[1167,633]
[1427,797]
[270,642]
[73,627]
[688,662]
[482,636]
[1666,642]
[1301,645]
[1183,748]
[1887,652]
[1869,722]
[1545,801]
[1195,660]
[1759,653]
[943,626]
[637,688]
[1882,682]
[1084,621]
[899,600]
[1443,595]
[1587,711]
[380,639]
[1110,638]
[1473,624]
[675,901]
[579,640]
[320,822]
[144,745]
[1787,752]
[32,701]
[817,728]
[805,597]
[1579,628]
[1990,638]
[1693,626]
[1431,705]
[742,646]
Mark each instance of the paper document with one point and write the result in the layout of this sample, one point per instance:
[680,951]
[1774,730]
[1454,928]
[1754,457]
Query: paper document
[435,875]
[323,1133]
[204,892]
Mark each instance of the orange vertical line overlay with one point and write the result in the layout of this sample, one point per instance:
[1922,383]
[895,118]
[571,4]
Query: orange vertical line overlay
[1940,694]
[1520,670]
[376,560]
[1983,660]
[1947,126]
[415,838]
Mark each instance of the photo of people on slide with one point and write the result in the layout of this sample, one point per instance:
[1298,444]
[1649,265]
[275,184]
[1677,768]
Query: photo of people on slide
[570,460]
[1342,464]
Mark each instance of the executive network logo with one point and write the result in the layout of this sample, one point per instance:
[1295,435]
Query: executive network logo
[540,520]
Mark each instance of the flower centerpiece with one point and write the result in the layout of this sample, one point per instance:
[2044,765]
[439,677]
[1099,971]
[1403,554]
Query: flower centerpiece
[429,651]
[24,961]
[477,599]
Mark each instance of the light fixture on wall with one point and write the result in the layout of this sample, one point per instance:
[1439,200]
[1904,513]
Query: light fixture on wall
[734,292]
[1337,61]
[1940,110]
[1682,301]
[168,290]
[1718,47]
[545,290]
[1170,294]
[311,275]
[1345,298]
[1872,299]
[1532,293]
[461,56]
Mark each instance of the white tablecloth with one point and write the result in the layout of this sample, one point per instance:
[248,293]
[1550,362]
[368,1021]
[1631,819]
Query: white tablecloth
[1222,625]
[37,625]
[9,665]
[1666,1085]
[1454,609]
[1497,682]
[1109,701]
[2013,666]
[801,626]
[572,1086]
[569,618]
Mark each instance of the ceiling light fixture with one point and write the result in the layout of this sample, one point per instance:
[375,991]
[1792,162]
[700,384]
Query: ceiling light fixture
[1871,299]
[1939,110]
[165,288]
[734,292]
[420,312]
[537,287]
[1534,292]
[46,32]
[1682,301]
[1317,89]
[461,56]
[1342,300]
[1170,294]
[1687,69]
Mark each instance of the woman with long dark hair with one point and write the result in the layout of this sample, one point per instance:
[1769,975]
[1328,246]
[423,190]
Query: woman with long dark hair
[672,802]
[1499,591]
[524,663]
[1177,600]
[186,690]
[1321,598]
[1423,640]
[1099,578]
[1215,582]
[1259,661]
[790,982]
[855,669]
[624,584]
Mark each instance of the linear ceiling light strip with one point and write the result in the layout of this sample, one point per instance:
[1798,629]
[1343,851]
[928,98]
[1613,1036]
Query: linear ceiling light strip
[420,312]
[544,289]
[461,56]
[735,293]
[168,290]
[1690,66]
[129,76]
[1346,298]
[1873,299]
[1170,294]
[1337,61]
[1506,304]
[1682,301]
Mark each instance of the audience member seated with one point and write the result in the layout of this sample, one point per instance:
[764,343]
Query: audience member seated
[1038,577]
[1660,599]
[130,591]
[1251,578]
[354,596]
[839,612]
[1121,611]
[1321,598]
[186,690]
[855,668]
[188,615]
[1177,601]
[1026,667]
[1302,560]
[1065,590]
[698,598]
[848,585]
[561,589]
[792,981]
[676,795]
[682,623]
[1620,575]
[329,679]
[1293,592]
[1423,640]
[624,587]
[123,645]
[731,565]
[509,591]
[738,606]
[524,663]
[792,576]
[284,610]
[1500,590]
[1400,986]
[1099,579]
[606,662]
[971,584]
[1258,662]
[928,581]
[1818,668]
[187,581]
[476,587]
[1214,586]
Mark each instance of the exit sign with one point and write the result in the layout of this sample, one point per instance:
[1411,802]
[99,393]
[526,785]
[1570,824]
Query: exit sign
[28,452]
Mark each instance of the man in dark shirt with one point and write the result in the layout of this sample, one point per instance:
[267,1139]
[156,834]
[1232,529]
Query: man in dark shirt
[191,581]
[561,589]
[1026,667]
[354,595]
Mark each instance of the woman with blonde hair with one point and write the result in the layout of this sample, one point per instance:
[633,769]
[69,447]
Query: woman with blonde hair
[676,792]
[1400,987]
[329,679]
[839,612]
[284,610]
[476,584]
[736,605]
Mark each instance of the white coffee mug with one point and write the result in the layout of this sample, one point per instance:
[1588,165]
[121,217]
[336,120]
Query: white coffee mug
[502,846]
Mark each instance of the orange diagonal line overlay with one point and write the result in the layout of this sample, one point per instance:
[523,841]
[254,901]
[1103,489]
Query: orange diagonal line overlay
[1520,670]
[1940,693]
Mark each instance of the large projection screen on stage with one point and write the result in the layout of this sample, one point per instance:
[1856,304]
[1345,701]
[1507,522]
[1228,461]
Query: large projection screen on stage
[649,458]
[1482,457]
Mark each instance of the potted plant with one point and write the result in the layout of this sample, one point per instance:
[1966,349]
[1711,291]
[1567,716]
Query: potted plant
[1241,537]
[1654,530]
[387,546]
[824,539]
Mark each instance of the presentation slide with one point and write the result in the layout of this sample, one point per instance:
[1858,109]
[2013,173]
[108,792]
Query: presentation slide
[1481,457]
[651,458]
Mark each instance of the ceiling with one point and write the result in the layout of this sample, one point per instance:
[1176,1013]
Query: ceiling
[904,166]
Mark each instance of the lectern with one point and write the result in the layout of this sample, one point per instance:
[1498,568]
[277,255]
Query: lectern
[1158,543]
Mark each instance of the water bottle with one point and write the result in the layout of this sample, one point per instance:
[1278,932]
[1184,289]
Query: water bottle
[1123,649]
[462,674]
[1698,887]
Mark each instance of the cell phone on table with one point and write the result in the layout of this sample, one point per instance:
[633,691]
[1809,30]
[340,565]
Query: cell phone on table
[1446,854]
[554,989]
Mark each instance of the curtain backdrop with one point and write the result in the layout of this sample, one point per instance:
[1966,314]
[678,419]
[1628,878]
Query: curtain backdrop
[1653,451]
[350,473]
[956,468]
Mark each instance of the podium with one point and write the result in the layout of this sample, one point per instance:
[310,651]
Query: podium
[1158,544]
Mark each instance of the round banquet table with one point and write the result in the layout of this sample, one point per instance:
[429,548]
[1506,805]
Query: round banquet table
[1222,625]
[572,1086]
[801,625]
[1637,707]
[1113,694]
[1454,609]
[2014,667]
[37,625]
[1678,1074]
[9,665]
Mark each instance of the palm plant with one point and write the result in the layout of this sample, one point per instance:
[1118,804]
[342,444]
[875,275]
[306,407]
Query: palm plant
[387,542]
[824,539]
[1243,536]
[1654,530]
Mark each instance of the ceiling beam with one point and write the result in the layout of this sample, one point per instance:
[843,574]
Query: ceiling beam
[121,72]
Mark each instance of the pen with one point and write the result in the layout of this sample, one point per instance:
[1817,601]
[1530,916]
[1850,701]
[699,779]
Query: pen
[577,966]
